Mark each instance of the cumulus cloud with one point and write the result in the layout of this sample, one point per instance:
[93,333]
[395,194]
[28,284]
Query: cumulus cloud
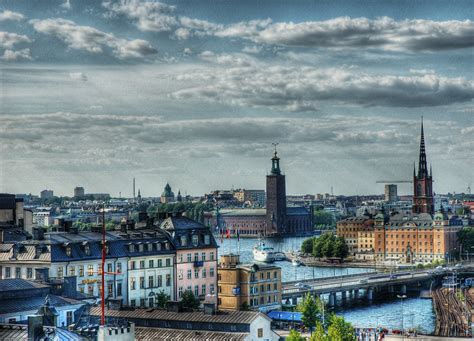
[9,15]
[10,55]
[148,16]
[294,88]
[8,39]
[92,40]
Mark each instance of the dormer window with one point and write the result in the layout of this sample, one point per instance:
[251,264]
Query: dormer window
[68,251]
[87,249]
[167,246]
[184,241]
[158,246]
[130,247]
[207,239]
[195,240]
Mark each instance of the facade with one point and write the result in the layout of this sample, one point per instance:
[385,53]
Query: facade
[391,193]
[257,286]
[252,196]
[79,192]
[46,194]
[275,220]
[420,236]
[167,196]
[11,210]
[196,257]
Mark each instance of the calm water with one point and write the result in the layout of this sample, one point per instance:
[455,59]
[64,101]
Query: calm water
[417,312]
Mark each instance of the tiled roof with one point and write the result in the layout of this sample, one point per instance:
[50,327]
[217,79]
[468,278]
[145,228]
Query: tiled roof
[33,303]
[15,332]
[20,284]
[297,210]
[243,212]
[232,317]
[190,335]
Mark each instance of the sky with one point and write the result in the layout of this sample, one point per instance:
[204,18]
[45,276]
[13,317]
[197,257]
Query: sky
[194,93]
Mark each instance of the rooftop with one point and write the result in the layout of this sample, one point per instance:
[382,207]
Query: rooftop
[231,317]
[243,212]
[34,303]
[191,335]
[14,284]
[20,332]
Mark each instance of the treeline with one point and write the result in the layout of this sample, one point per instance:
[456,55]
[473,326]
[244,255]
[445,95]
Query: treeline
[192,210]
[326,245]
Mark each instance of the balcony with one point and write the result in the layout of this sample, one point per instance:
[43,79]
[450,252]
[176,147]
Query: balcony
[198,263]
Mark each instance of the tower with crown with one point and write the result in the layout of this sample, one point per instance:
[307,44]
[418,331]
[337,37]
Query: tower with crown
[276,198]
[423,201]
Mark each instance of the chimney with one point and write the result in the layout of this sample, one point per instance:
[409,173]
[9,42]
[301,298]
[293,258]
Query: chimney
[38,233]
[35,327]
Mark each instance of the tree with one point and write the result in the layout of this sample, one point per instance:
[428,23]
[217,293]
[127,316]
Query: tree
[466,239]
[189,301]
[340,330]
[328,248]
[310,311]
[341,249]
[307,245]
[245,306]
[161,299]
[319,334]
[294,336]
[321,217]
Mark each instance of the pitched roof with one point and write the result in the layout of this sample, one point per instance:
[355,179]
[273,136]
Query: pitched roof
[191,335]
[14,284]
[34,303]
[231,317]
[15,332]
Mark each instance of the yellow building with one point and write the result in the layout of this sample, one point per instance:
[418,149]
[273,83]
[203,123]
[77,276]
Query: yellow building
[257,286]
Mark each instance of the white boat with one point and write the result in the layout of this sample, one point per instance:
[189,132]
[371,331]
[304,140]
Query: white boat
[262,253]
[295,262]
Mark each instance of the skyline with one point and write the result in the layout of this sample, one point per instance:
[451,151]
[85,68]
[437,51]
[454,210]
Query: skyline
[96,93]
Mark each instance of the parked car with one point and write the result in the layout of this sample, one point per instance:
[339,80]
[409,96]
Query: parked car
[363,281]
[302,286]
[393,276]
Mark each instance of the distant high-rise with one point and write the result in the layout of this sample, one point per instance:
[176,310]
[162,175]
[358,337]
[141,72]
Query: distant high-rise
[423,201]
[79,192]
[276,198]
[391,193]
[46,194]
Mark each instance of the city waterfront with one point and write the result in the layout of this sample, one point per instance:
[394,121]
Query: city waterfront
[386,312]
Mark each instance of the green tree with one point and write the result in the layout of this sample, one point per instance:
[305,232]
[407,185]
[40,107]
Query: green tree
[245,306]
[340,248]
[189,301]
[294,336]
[319,334]
[161,299]
[307,245]
[328,248]
[310,311]
[340,330]
[321,217]
[466,239]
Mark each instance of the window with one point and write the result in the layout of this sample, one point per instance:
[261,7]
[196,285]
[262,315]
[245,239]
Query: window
[189,257]
[196,273]
[90,270]
[190,274]
[160,281]
[181,258]
[275,274]
[211,289]
[180,292]
[195,240]
[142,302]
[196,256]
[60,272]
[132,265]
[160,263]
[133,303]
[142,264]
[168,280]
[203,290]
[132,283]
[150,263]
[68,251]
[203,256]
[211,272]
[29,273]
[184,241]
[150,281]
[211,255]
[204,274]
[69,318]
[87,250]
[207,239]
[81,270]
[260,332]
[150,302]
[109,267]
[275,286]
[168,262]
[119,267]
[196,290]
[110,289]
[219,289]
[268,275]
[119,289]
[142,282]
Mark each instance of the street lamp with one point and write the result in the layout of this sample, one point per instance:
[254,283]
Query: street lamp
[401,297]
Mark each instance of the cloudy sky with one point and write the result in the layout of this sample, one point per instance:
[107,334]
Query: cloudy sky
[94,93]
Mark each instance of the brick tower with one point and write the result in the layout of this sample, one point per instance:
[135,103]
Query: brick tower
[423,201]
[276,198]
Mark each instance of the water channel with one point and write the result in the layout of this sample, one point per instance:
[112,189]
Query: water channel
[386,311]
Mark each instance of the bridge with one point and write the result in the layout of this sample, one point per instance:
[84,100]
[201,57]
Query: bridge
[370,282]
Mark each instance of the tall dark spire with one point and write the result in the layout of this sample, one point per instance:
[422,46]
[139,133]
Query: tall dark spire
[275,161]
[422,167]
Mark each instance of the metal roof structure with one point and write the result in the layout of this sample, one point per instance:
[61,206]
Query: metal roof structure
[16,332]
[191,335]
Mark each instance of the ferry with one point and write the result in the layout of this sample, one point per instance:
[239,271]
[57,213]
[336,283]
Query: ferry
[262,253]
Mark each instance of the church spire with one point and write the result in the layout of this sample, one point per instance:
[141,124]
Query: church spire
[422,167]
